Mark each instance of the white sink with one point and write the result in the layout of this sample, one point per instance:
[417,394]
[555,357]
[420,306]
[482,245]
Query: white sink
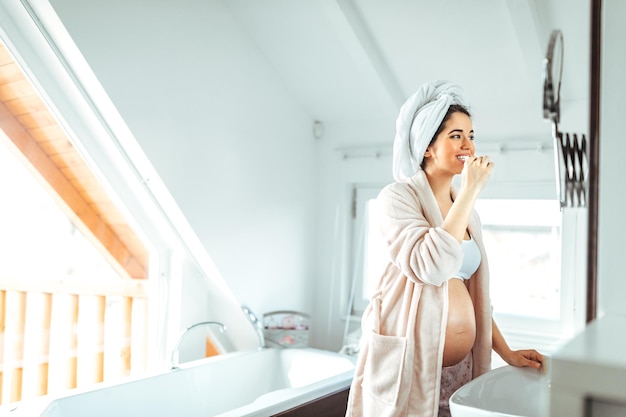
[503,392]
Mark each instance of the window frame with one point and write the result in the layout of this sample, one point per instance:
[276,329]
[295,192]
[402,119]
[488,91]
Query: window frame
[361,194]
[61,76]
[520,331]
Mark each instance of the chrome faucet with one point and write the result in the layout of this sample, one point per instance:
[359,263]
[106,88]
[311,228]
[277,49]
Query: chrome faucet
[175,352]
[258,326]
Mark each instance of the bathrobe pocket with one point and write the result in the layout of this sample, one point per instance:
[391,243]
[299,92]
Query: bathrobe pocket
[383,368]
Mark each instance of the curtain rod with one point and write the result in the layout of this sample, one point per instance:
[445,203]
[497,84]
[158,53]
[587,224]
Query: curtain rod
[377,151]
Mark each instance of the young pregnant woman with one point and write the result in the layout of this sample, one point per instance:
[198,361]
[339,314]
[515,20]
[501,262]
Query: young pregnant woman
[428,329]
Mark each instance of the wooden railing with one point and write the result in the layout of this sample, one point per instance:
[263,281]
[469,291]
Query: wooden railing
[65,334]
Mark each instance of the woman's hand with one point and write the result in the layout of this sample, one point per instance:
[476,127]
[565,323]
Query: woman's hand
[476,173]
[474,176]
[519,358]
[527,357]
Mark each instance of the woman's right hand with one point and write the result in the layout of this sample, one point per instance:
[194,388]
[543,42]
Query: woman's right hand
[474,176]
[476,173]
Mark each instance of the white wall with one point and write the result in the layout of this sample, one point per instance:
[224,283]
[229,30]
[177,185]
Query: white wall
[234,149]
[336,176]
[612,223]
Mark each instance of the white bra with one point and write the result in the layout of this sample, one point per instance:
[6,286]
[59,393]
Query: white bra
[471,259]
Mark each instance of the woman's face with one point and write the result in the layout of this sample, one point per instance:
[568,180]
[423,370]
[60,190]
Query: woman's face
[455,141]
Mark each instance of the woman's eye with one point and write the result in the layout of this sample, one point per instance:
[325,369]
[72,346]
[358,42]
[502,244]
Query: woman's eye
[456,136]
[471,138]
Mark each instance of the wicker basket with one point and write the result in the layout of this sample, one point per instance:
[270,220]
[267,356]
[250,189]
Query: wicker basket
[286,329]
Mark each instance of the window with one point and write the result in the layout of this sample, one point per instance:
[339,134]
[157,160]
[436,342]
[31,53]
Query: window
[522,239]
[73,283]
[535,285]
[365,254]
[537,281]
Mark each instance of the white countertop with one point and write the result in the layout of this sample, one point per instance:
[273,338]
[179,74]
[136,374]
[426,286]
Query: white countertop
[590,369]
[602,342]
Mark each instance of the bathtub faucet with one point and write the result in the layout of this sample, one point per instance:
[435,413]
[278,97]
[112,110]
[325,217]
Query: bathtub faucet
[175,353]
[258,326]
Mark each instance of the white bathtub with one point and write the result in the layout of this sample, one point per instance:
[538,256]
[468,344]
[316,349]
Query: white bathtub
[503,392]
[255,383]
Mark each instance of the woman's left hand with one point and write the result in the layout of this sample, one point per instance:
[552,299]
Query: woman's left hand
[527,357]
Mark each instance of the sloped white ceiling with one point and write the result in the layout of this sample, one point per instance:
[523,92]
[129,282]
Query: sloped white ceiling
[356,61]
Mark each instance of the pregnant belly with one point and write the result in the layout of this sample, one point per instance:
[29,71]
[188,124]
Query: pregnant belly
[461,328]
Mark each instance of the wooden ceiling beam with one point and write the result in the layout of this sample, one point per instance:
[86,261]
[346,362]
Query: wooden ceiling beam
[27,126]
[12,132]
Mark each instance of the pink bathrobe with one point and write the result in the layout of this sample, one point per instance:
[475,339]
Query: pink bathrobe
[399,367]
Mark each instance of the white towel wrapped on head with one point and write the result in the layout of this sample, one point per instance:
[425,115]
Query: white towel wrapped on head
[417,123]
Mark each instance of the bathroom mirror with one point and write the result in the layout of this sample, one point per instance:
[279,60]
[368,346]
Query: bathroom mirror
[552,74]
